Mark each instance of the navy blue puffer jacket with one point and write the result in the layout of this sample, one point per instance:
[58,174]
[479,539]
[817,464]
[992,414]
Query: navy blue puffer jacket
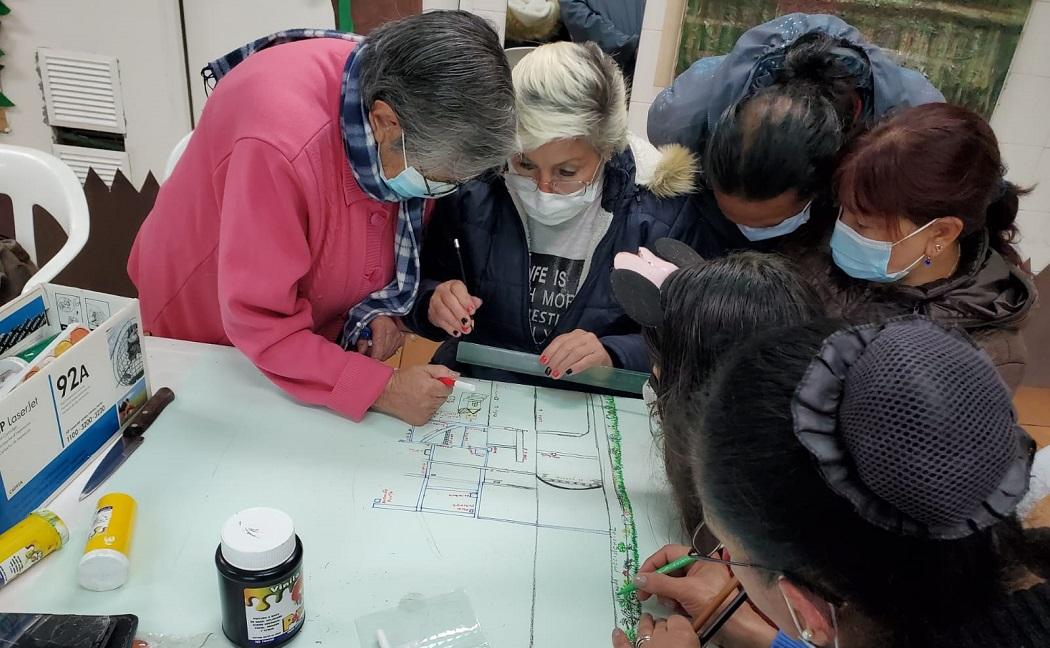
[496,256]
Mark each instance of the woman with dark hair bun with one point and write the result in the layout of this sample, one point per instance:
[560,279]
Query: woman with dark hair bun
[927,226]
[864,485]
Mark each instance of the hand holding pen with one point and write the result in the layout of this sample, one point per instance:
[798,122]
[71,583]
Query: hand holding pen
[452,307]
[699,590]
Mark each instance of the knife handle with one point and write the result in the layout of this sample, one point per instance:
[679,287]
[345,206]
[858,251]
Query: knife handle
[149,412]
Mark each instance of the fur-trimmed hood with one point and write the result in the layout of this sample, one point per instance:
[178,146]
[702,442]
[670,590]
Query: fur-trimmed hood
[532,20]
[668,171]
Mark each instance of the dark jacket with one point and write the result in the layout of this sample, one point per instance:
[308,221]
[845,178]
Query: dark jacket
[686,112]
[615,25]
[988,297]
[1022,620]
[496,258]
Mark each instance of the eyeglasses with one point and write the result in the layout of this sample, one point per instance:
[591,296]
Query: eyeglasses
[438,189]
[708,548]
[560,187]
[434,188]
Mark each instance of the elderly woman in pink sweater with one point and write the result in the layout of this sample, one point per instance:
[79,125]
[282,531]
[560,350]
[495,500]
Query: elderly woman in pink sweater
[291,226]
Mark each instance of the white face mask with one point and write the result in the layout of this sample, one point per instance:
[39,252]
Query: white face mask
[549,208]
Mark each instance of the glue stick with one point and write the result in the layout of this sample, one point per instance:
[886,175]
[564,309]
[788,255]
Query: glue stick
[106,561]
[27,542]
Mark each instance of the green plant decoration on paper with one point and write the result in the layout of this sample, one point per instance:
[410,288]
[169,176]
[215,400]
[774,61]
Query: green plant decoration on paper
[4,101]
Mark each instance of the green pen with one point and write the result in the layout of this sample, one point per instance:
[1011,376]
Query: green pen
[675,565]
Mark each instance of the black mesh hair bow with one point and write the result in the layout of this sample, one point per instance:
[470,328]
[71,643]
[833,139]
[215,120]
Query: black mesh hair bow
[910,422]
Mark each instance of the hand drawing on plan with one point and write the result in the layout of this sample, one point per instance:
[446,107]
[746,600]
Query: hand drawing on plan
[522,455]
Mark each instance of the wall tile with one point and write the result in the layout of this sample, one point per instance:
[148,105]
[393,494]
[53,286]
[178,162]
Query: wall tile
[497,19]
[637,116]
[1039,199]
[1021,116]
[654,14]
[1035,241]
[645,66]
[1022,162]
[1033,53]
[434,5]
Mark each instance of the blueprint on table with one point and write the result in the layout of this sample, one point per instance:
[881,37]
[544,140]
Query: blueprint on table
[536,457]
[536,503]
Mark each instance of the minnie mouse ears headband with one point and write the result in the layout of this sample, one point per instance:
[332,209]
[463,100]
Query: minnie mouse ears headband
[638,278]
[912,424]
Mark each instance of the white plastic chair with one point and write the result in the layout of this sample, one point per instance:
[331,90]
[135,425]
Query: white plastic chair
[31,177]
[176,153]
[515,54]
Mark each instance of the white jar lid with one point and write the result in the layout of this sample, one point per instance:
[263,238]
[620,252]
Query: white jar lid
[258,539]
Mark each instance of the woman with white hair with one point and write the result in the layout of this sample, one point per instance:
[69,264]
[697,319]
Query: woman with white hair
[537,240]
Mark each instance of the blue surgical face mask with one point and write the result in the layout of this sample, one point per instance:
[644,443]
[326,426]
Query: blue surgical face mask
[410,183]
[783,228]
[864,258]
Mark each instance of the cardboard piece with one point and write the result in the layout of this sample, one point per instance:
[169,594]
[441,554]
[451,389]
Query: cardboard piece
[117,214]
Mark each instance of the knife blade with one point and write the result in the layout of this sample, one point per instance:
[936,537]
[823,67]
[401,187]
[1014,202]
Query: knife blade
[129,441]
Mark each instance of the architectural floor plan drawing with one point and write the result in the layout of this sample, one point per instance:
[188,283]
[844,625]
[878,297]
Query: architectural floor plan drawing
[529,456]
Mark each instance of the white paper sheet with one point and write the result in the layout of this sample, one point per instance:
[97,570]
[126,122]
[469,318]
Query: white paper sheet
[536,503]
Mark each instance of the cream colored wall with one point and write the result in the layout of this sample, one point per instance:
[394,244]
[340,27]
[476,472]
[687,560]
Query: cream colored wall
[143,35]
[657,50]
[216,27]
[1022,123]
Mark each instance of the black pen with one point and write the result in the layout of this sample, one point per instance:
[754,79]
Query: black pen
[462,268]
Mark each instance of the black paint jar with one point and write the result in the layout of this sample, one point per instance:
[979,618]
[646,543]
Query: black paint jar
[260,563]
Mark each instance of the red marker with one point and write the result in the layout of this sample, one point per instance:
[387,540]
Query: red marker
[452,383]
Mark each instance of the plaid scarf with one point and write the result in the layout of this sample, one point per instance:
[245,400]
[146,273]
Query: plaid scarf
[397,297]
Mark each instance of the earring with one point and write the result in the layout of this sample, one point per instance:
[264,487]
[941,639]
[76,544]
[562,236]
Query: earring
[807,636]
[938,247]
[927,261]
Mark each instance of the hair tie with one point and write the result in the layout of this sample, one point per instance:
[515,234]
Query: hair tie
[1002,189]
[912,424]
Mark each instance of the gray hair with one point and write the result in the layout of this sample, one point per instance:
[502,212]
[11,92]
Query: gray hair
[566,90]
[445,76]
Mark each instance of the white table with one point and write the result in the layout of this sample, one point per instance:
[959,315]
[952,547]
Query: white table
[232,440]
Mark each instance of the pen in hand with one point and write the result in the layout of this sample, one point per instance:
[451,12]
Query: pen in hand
[673,566]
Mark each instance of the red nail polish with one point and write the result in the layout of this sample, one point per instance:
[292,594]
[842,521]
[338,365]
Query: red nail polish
[543,359]
[556,374]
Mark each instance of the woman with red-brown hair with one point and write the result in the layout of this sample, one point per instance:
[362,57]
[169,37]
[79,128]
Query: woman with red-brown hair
[927,226]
